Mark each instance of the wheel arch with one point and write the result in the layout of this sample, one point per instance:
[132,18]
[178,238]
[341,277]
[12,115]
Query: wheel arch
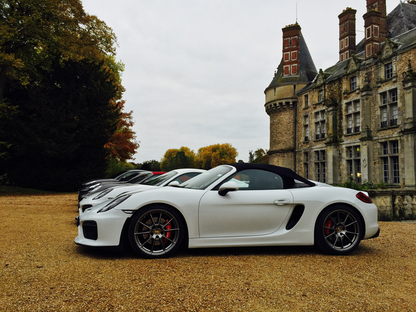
[341,204]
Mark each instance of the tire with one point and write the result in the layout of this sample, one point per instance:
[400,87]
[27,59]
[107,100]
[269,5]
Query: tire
[338,230]
[156,232]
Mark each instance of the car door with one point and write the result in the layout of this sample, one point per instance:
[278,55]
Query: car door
[258,207]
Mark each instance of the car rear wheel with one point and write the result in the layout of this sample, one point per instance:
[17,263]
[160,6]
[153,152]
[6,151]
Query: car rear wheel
[156,232]
[338,230]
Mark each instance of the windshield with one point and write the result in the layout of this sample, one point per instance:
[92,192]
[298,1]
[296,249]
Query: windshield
[139,177]
[205,179]
[160,179]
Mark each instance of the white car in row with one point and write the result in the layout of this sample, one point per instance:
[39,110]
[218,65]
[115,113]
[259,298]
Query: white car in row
[176,177]
[270,206]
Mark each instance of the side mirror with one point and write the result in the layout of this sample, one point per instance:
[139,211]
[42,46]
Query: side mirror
[229,186]
[174,183]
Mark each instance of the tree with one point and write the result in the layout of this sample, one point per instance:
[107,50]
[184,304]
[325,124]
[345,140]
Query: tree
[213,155]
[178,158]
[259,156]
[60,95]
[63,123]
[33,33]
[151,165]
[122,145]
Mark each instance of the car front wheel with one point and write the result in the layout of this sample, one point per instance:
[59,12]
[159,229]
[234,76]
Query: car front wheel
[338,230]
[156,232]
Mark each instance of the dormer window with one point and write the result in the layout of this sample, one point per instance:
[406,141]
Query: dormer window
[320,96]
[353,83]
[388,71]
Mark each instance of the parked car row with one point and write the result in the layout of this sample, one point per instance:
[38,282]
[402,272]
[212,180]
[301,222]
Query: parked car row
[127,178]
[227,206]
[174,177]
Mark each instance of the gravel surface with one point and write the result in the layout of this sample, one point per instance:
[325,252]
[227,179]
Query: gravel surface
[41,269]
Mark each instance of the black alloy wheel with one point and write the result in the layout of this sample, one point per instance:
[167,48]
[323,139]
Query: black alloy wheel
[338,230]
[156,231]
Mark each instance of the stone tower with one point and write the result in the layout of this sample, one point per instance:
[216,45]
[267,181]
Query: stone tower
[294,72]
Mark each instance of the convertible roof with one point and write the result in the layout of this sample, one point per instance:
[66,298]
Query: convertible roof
[282,171]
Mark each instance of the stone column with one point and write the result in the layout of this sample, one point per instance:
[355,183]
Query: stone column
[366,136]
[409,131]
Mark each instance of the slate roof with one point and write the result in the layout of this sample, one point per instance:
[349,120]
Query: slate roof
[307,68]
[401,28]
[401,19]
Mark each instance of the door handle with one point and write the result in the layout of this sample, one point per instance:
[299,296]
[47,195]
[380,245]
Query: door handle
[281,202]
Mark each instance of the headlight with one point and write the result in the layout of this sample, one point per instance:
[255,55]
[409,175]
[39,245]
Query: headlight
[103,193]
[114,203]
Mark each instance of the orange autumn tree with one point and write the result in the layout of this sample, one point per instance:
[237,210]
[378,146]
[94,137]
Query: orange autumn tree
[213,155]
[122,145]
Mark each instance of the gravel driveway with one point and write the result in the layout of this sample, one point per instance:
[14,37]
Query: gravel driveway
[41,269]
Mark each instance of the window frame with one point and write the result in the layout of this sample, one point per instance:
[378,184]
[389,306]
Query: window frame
[389,109]
[320,124]
[389,155]
[353,160]
[353,83]
[320,165]
[353,117]
[388,70]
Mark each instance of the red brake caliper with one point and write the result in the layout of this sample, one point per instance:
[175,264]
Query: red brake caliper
[168,234]
[328,225]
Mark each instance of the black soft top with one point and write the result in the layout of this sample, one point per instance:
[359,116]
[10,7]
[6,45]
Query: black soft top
[288,175]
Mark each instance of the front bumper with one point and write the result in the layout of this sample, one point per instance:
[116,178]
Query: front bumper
[103,229]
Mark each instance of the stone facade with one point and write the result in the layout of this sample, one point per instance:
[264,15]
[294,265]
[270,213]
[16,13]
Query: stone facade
[357,119]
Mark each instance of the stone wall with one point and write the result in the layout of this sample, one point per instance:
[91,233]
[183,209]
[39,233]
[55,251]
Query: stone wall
[394,204]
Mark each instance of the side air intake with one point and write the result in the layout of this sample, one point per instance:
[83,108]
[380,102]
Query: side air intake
[295,217]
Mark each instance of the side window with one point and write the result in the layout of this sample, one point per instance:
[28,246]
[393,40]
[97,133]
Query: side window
[254,179]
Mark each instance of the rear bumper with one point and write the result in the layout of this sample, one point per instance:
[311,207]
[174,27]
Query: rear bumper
[376,235]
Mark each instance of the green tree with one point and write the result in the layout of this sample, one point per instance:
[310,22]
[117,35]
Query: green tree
[33,33]
[151,165]
[213,155]
[259,156]
[178,158]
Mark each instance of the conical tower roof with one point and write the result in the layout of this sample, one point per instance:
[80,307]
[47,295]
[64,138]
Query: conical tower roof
[307,70]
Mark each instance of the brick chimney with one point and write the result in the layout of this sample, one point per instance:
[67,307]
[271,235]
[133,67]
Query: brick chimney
[375,26]
[291,50]
[346,33]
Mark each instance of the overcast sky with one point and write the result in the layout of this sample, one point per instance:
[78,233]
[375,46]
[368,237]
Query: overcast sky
[196,70]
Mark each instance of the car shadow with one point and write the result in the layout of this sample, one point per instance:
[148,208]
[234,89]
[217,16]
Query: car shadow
[128,253]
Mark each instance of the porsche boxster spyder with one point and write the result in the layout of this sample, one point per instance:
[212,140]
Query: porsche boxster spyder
[233,205]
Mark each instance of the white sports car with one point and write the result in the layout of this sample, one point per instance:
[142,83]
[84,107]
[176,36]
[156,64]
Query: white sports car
[178,175]
[233,205]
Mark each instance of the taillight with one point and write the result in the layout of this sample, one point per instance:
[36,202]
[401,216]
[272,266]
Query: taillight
[364,198]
